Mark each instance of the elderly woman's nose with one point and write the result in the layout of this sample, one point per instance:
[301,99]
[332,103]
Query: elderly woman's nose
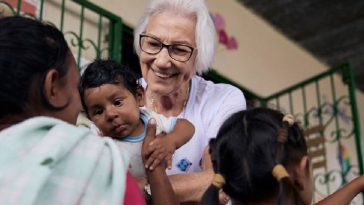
[163,59]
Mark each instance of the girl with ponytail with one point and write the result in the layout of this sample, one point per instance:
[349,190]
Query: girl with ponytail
[260,157]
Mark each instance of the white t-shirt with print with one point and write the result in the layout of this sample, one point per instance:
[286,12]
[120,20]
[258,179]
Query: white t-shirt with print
[208,106]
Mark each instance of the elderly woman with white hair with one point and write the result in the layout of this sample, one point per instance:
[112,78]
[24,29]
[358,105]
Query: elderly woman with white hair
[175,40]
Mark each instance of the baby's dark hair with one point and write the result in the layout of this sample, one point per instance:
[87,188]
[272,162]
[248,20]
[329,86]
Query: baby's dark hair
[248,146]
[102,72]
[28,49]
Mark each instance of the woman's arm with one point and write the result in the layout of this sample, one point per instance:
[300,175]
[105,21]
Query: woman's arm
[190,187]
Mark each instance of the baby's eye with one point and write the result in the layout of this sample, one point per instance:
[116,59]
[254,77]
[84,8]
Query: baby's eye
[97,112]
[118,102]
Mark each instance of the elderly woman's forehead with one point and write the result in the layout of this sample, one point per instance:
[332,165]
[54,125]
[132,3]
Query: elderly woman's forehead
[174,12]
[167,22]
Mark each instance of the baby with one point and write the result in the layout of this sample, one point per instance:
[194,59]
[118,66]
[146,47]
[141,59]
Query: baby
[113,99]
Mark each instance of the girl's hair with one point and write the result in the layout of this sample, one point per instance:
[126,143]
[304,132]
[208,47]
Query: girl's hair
[28,49]
[102,72]
[205,30]
[248,146]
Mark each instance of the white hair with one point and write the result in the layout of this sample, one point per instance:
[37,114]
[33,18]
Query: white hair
[205,30]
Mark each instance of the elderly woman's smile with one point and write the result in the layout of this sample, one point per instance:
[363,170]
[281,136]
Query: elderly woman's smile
[168,53]
[165,74]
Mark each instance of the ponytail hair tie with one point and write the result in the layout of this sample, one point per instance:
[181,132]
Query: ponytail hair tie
[218,181]
[279,172]
[282,135]
[289,119]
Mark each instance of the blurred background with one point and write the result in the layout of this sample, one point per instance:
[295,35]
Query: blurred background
[302,57]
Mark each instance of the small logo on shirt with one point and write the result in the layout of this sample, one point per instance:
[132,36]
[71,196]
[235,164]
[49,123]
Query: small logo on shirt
[184,165]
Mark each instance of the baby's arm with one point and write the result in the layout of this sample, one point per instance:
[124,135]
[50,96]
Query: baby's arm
[163,147]
[346,194]
[182,133]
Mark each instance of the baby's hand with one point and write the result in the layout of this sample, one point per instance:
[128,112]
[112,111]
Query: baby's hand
[160,149]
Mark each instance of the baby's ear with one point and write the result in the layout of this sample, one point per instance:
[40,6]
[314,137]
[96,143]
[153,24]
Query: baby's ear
[140,96]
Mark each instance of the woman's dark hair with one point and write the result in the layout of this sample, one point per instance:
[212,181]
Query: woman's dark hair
[102,72]
[246,150]
[28,49]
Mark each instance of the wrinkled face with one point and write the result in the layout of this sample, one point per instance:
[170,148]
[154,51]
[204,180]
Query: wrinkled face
[163,74]
[114,110]
[72,79]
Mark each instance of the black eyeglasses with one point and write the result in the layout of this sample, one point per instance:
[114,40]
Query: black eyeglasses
[152,46]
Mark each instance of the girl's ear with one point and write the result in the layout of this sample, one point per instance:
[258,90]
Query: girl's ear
[301,173]
[140,96]
[54,89]
[302,179]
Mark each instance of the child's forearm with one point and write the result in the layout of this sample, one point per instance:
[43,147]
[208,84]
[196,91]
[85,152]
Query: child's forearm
[162,192]
[345,194]
[182,132]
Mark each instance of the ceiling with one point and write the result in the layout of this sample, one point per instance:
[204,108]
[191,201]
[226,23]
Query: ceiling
[331,30]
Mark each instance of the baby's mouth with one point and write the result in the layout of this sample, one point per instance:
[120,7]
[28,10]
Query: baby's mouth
[119,128]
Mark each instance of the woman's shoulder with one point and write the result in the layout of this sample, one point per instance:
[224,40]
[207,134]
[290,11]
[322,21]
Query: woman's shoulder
[208,89]
[220,98]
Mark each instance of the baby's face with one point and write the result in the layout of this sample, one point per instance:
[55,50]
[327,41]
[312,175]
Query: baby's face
[114,110]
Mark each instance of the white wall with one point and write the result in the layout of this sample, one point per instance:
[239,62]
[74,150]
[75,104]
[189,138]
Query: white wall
[263,54]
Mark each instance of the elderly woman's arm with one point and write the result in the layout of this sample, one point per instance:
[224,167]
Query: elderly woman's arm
[190,187]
